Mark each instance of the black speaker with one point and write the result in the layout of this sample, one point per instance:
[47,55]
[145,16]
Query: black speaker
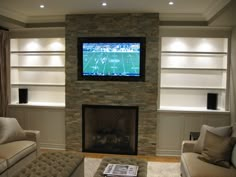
[23,95]
[212,101]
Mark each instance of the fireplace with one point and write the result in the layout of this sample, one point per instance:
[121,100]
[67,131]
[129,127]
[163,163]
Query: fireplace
[110,129]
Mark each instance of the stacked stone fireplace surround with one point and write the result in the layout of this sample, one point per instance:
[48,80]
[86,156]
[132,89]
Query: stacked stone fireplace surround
[141,94]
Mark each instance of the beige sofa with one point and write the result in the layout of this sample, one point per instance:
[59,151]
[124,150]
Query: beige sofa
[198,159]
[14,155]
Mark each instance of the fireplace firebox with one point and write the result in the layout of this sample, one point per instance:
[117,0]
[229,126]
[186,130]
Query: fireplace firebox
[110,129]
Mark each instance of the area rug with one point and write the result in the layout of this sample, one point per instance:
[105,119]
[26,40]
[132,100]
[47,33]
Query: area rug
[155,169]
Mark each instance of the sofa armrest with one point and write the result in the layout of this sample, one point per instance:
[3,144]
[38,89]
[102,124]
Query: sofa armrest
[187,146]
[34,135]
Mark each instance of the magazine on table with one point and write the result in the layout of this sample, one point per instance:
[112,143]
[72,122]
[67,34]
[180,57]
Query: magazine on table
[120,170]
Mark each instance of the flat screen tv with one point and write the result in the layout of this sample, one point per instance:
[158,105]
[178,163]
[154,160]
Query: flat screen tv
[111,58]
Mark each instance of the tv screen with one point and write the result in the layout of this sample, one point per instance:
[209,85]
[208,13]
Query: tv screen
[120,58]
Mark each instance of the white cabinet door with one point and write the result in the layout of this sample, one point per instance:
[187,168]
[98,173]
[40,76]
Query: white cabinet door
[174,127]
[49,121]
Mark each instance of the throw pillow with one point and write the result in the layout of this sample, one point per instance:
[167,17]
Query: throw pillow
[221,131]
[217,149]
[10,130]
[233,156]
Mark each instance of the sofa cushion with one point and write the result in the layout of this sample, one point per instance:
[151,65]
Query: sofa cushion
[195,167]
[10,130]
[221,131]
[217,149]
[3,165]
[15,151]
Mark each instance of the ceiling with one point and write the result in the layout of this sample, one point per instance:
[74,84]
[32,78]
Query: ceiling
[28,11]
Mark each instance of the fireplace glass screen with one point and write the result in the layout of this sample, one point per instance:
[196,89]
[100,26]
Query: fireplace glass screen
[110,129]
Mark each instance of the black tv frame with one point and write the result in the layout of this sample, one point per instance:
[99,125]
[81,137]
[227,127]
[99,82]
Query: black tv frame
[141,40]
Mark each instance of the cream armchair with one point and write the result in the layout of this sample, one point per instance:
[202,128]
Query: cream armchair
[18,147]
[191,163]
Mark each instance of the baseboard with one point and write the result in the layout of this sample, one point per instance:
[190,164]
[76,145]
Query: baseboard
[52,146]
[166,152]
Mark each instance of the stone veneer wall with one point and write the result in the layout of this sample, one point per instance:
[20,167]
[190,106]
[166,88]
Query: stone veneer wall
[142,94]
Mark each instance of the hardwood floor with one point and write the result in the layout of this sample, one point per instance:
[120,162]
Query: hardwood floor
[147,158]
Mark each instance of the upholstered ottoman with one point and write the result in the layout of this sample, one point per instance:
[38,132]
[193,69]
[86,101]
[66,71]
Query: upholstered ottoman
[55,164]
[142,164]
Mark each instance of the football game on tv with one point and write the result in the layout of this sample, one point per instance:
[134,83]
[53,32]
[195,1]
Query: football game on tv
[111,58]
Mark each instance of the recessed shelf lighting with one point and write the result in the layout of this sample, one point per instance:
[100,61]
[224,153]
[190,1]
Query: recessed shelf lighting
[104,4]
[41,6]
[171,3]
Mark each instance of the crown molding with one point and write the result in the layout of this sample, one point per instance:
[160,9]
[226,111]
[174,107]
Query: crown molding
[216,6]
[45,19]
[30,19]
[181,17]
[183,23]
[45,25]
[10,23]
[163,17]
[225,17]
[12,14]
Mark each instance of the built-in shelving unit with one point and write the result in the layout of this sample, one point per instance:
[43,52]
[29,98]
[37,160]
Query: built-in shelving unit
[191,67]
[38,65]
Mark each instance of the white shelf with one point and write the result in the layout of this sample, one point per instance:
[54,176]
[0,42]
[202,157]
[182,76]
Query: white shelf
[38,52]
[38,84]
[192,88]
[39,104]
[38,67]
[191,109]
[193,53]
[193,68]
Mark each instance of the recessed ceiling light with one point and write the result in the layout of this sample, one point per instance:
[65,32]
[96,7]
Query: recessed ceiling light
[104,4]
[42,6]
[171,3]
